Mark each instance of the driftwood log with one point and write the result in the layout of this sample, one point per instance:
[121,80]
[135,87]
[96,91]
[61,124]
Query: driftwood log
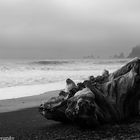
[102,99]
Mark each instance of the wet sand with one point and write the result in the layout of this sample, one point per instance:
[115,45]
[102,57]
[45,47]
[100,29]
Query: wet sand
[20,118]
[25,102]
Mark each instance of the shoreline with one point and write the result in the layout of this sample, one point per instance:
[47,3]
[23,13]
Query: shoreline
[9,105]
[20,119]
[28,90]
[30,124]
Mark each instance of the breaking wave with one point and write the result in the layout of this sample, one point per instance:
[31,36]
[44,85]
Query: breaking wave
[49,62]
[52,71]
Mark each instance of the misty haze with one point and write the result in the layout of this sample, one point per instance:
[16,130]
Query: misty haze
[59,29]
[69,69]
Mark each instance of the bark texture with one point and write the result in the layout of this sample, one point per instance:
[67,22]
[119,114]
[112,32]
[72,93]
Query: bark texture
[103,99]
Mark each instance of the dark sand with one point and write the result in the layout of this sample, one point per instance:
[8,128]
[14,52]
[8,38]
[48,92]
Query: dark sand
[28,124]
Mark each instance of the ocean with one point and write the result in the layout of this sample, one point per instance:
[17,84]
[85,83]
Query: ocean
[50,73]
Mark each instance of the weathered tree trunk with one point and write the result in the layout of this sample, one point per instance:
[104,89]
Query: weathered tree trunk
[103,102]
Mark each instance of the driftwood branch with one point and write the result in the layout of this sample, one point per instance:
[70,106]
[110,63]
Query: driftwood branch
[102,99]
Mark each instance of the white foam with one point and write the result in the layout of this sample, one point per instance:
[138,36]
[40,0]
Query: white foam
[25,79]
[29,90]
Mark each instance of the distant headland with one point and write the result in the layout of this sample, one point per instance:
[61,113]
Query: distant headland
[135,52]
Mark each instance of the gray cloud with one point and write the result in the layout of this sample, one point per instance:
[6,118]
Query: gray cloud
[77,27]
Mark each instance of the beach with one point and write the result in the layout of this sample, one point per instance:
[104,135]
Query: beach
[19,118]
[69,61]
[25,102]
[24,86]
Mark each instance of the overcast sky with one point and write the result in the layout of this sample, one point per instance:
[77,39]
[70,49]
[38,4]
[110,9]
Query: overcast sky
[68,28]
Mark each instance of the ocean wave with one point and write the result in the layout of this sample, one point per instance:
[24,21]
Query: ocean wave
[50,71]
[49,62]
[113,61]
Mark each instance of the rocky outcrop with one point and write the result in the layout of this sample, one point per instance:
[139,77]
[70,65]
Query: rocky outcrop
[110,98]
[120,56]
[135,52]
